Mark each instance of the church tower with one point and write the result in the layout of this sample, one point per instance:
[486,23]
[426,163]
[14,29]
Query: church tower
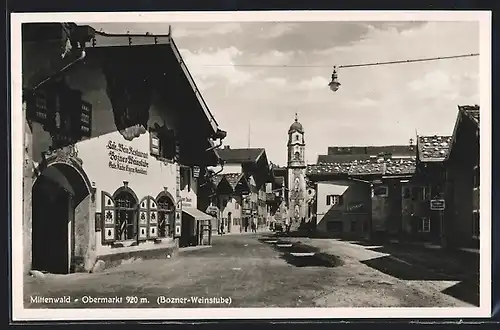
[296,172]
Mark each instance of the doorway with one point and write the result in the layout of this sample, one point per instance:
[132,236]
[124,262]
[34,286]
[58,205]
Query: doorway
[229,221]
[50,233]
[188,235]
[56,193]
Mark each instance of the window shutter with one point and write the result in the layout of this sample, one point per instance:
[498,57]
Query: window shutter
[85,119]
[108,218]
[153,218]
[154,143]
[170,144]
[178,222]
[142,229]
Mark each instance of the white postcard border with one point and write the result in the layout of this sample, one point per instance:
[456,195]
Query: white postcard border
[19,313]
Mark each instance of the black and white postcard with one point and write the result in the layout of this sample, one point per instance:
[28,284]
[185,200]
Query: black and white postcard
[251,165]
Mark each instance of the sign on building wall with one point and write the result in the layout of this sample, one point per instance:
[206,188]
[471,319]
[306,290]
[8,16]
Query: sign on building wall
[438,204]
[126,158]
[356,207]
[178,209]
[187,202]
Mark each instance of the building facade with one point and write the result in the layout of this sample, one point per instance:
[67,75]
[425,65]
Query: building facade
[111,160]
[462,192]
[343,207]
[432,151]
[241,189]
[362,198]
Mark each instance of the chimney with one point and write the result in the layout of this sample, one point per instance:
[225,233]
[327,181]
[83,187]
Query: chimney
[227,147]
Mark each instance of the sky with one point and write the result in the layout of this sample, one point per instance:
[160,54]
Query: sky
[379,105]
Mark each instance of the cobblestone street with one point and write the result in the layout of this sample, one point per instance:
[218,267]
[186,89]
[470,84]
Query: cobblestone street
[253,272]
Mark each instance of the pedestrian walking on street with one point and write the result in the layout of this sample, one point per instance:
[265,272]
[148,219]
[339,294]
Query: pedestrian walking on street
[221,232]
[254,227]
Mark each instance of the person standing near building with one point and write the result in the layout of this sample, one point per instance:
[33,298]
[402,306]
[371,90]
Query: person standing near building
[287,224]
[221,232]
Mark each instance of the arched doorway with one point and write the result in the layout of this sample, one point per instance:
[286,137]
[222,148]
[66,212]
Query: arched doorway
[126,225]
[166,215]
[58,194]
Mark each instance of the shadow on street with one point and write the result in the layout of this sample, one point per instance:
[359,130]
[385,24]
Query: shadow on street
[291,253]
[418,263]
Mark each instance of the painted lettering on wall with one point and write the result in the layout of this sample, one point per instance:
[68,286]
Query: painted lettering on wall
[356,207]
[126,158]
[187,202]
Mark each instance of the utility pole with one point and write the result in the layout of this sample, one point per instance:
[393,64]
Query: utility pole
[249,130]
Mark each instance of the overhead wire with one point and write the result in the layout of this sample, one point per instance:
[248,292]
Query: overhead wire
[428,59]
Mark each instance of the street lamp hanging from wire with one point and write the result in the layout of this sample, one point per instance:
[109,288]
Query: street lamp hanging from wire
[335,84]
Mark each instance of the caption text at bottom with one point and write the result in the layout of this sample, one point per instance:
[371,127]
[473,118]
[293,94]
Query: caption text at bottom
[131,300]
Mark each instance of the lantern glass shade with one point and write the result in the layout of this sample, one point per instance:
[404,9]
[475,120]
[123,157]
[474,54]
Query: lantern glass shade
[334,84]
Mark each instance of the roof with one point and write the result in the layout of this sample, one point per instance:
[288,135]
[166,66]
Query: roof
[328,168]
[296,127]
[433,148]
[238,156]
[232,178]
[216,179]
[366,167]
[148,38]
[388,166]
[464,111]
[341,158]
[395,150]
[280,180]
[471,111]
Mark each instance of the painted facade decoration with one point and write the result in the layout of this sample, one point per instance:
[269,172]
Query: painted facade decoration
[117,180]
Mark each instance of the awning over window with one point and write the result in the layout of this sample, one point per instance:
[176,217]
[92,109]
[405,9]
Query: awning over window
[196,214]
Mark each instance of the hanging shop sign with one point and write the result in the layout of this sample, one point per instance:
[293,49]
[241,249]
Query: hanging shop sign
[196,172]
[212,210]
[438,204]
[126,158]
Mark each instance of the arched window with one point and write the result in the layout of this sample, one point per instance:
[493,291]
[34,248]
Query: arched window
[126,215]
[297,155]
[166,216]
